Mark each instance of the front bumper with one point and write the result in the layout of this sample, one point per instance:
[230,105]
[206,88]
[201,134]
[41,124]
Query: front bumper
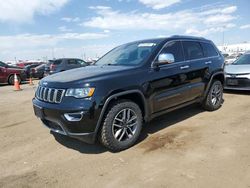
[53,117]
[237,84]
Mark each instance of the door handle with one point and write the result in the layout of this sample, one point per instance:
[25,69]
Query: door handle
[184,67]
[208,62]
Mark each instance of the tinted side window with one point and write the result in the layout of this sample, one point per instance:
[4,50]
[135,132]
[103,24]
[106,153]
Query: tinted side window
[174,48]
[192,50]
[208,49]
[72,62]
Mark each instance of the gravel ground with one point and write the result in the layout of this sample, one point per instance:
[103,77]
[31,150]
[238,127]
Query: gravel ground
[185,148]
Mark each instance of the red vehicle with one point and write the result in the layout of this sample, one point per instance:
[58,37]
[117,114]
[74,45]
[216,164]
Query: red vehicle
[7,73]
[22,65]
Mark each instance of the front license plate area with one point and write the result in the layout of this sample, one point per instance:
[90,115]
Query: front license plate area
[232,82]
[38,111]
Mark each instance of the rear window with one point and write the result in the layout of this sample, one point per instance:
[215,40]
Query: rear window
[57,62]
[192,50]
[208,49]
[40,66]
[2,64]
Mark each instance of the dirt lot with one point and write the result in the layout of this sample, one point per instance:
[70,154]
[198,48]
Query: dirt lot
[185,148]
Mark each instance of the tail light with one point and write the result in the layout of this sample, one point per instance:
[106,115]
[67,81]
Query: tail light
[52,67]
[33,70]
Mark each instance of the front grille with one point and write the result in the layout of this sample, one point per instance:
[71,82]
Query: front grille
[49,94]
[238,82]
[234,75]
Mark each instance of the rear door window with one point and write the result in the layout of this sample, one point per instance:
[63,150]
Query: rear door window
[174,48]
[192,50]
[208,49]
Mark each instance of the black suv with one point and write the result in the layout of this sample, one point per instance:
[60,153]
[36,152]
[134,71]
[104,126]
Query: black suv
[130,85]
[60,65]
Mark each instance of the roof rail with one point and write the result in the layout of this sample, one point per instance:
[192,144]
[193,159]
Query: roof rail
[187,36]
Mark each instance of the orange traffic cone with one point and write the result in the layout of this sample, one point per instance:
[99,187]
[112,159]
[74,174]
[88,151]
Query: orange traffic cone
[31,82]
[16,85]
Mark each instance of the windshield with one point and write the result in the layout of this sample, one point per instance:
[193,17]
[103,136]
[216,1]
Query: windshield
[243,60]
[3,64]
[128,54]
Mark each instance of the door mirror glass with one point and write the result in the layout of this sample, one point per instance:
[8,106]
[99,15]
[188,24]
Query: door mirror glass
[165,58]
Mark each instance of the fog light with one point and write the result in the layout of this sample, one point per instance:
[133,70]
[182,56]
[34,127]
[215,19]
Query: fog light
[74,116]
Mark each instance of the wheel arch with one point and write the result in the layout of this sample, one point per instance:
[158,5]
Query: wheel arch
[12,74]
[216,76]
[133,95]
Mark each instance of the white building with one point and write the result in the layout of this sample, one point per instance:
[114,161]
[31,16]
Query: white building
[235,48]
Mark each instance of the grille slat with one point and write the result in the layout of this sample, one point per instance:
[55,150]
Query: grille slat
[49,94]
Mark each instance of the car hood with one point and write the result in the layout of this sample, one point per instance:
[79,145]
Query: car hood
[85,73]
[237,69]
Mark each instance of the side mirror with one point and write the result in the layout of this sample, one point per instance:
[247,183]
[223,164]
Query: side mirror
[165,59]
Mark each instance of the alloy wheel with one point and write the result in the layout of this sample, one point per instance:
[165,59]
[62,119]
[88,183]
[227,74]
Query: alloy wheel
[124,125]
[216,94]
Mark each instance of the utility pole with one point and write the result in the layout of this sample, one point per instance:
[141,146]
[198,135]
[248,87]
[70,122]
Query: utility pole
[53,54]
[223,36]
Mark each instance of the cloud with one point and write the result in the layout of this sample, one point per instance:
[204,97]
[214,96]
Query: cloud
[64,29]
[69,19]
[208,19]
[30,40]
[247,26]
[106,31]
[219,19]
[159,4]
[23,11]
[211,30]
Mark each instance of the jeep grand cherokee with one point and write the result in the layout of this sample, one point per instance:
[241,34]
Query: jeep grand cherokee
[130,85]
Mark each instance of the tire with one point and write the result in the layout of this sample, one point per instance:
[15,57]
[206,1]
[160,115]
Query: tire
[122,126]
[214,98]
[11,79]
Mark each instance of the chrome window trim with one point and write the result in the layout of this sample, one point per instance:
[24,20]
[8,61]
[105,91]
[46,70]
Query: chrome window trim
[182,40]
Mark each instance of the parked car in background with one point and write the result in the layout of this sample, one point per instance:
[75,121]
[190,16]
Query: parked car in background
[130,85]
[23,64]
[92,61]
[238,74]
[38,72]
[60,65]
[28,69]
[225,55]
[7,73]
[47,67]
[230,59]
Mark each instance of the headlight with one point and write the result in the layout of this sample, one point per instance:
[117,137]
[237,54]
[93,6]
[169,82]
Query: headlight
[80,92]
[247,75]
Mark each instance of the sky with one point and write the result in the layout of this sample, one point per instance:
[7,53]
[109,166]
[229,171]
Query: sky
[46,29]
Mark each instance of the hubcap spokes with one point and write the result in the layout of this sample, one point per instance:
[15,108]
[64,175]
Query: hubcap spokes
[216,94]
[124,125]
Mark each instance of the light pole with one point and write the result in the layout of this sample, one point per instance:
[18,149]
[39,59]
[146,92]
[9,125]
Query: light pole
[223,36]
